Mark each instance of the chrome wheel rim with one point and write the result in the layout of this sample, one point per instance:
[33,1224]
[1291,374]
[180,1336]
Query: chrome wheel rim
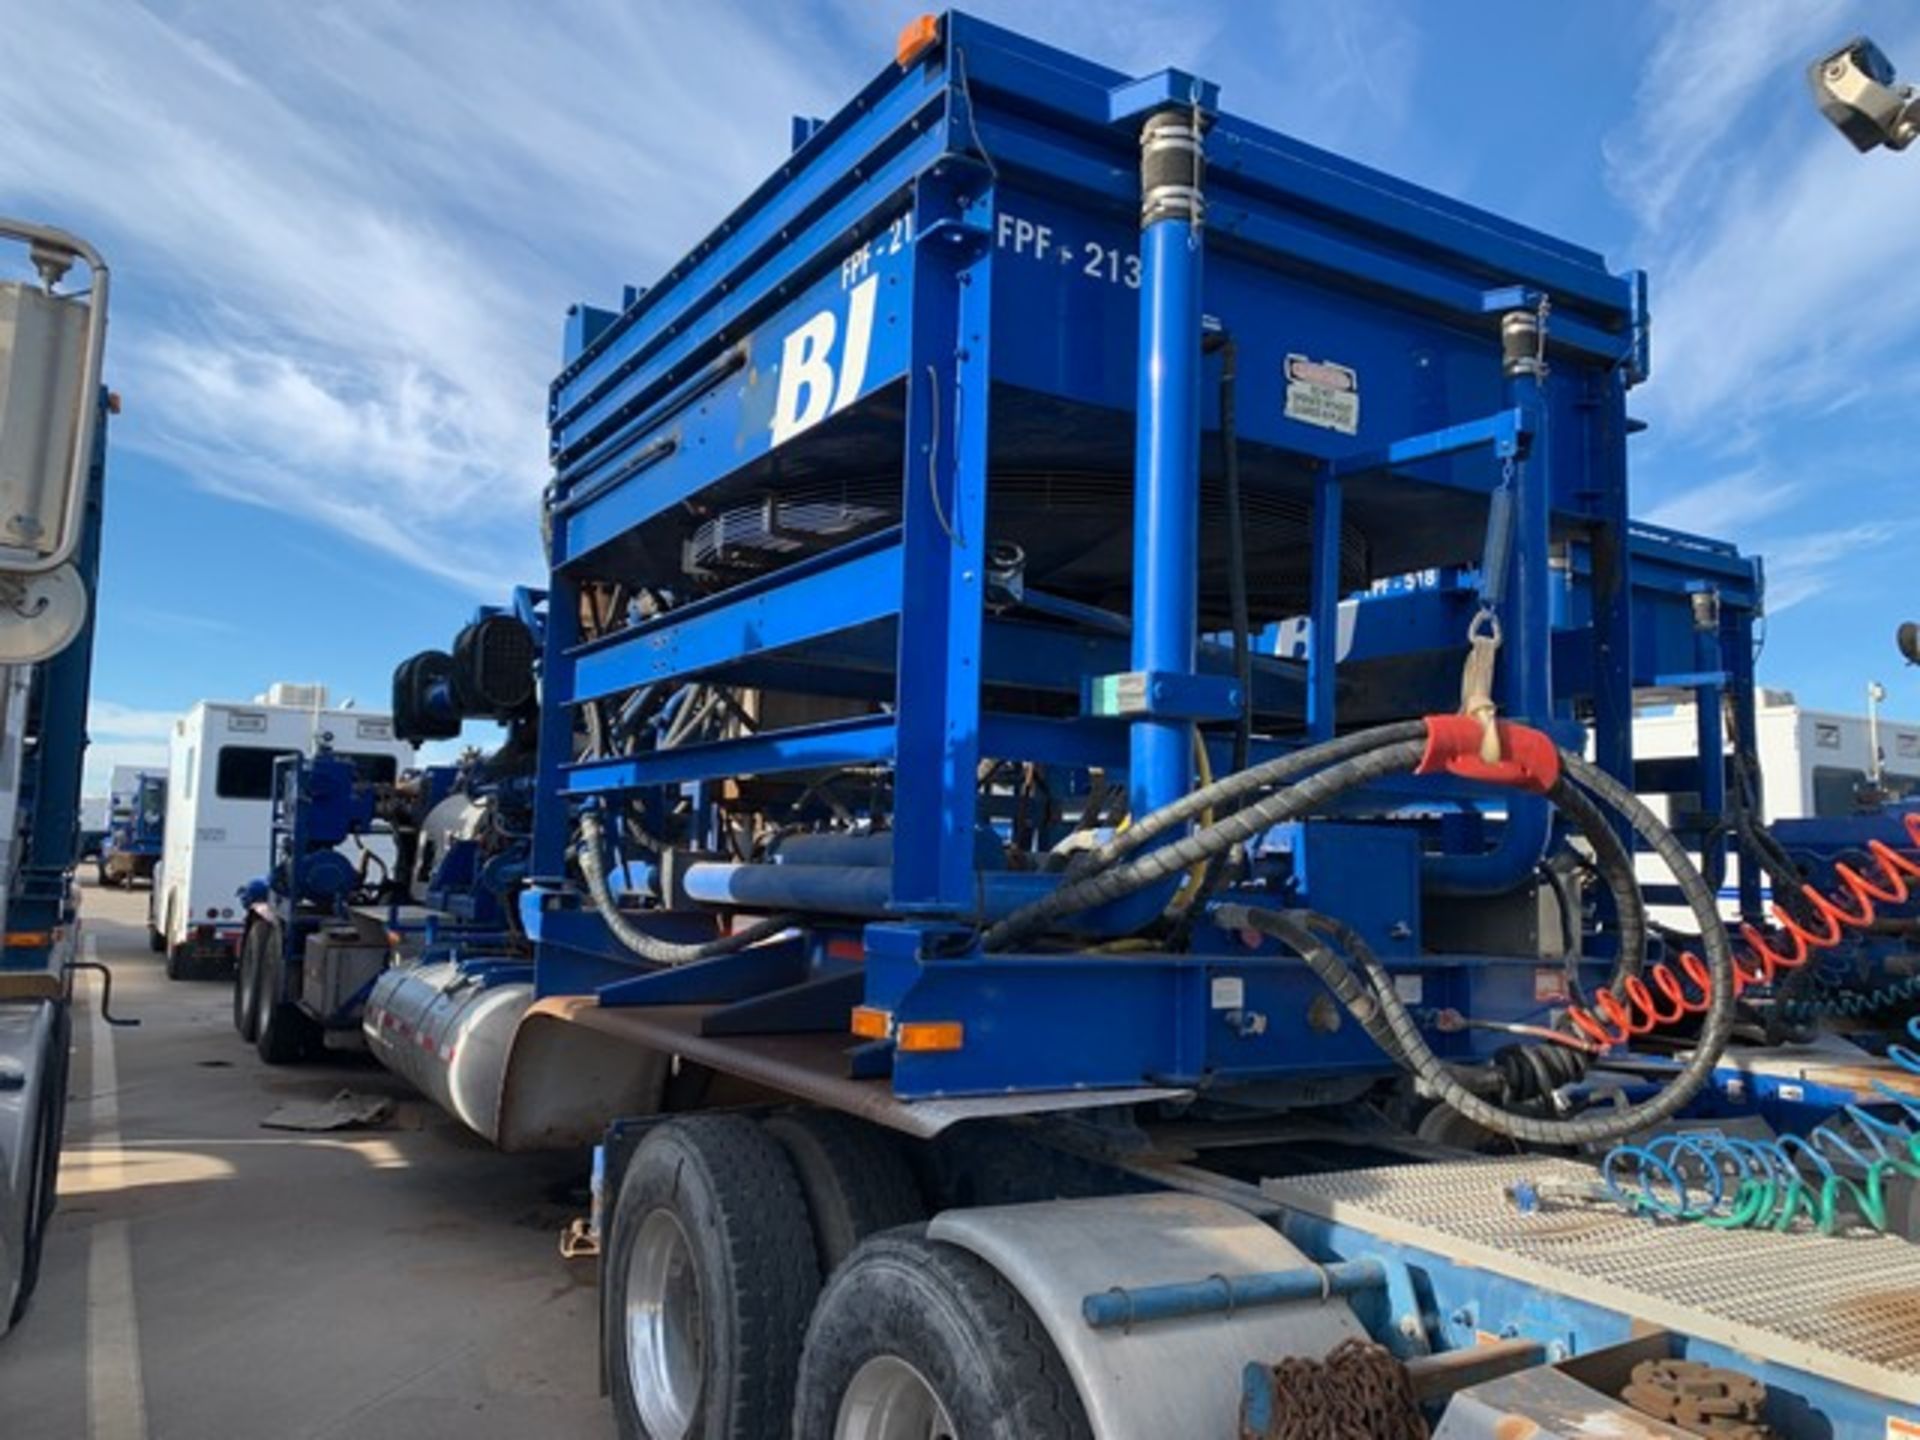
[888,1399]
[666,1327]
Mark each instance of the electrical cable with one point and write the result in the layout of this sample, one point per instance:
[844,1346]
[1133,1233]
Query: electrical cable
[651,947]
[1633,1007]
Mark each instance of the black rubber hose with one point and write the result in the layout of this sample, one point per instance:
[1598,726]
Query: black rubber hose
[1088,883]
[593,868]
[1410,1047]
[1615,866]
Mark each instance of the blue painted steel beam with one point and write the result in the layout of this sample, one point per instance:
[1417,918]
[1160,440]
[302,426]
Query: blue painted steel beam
[1323,635]
[1504,431]
[1245,156]
[944,530]
[1243,226]
[854,585]
[865,741]
[1120,1308]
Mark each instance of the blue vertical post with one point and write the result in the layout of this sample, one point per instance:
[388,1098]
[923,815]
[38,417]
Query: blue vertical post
[1612,587]
[1166,477]
[1527,657]
[1323,631]
[1525,666]
[547,862]
[943,537]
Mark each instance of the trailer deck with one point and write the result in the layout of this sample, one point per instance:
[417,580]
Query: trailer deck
[1821,1311]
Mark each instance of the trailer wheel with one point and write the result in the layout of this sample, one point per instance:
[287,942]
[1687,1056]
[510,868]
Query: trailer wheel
[246,982]
[855,1176]
[284,1033]
[710,1275]
[44,1177]
[913,1338]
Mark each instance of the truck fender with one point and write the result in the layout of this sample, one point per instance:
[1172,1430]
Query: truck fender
[565,1083]
[1164,1377]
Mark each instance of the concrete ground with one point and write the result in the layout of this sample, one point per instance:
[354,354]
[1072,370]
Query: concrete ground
[206,1277]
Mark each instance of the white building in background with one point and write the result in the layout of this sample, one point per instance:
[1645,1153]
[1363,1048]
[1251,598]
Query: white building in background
[1813,763]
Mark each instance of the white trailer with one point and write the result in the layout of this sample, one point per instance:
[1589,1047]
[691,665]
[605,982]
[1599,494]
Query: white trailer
[219,809]
[1814,764]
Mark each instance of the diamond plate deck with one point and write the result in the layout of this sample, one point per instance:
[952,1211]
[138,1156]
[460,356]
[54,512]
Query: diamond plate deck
[1845,1306]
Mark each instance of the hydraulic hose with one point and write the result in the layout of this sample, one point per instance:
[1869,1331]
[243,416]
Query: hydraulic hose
[1372,756]
[1409,1047]
[1095,872]
[1614,865]
[593,869]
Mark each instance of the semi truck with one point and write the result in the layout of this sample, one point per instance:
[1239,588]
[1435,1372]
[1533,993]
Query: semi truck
[219,790]
[136,830]
[1006,1000]
[53,423]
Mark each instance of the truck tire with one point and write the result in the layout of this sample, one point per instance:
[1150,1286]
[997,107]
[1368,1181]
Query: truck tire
[854,1175]
[156,942]
[44,1177]
[913,1337]
[246,981]
[179,967]
[284,1033]
[710,1275]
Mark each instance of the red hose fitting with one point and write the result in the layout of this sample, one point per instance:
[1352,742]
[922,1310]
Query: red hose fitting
[1532,760]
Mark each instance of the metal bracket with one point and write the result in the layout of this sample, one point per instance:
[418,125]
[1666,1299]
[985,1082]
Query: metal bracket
[1160,695]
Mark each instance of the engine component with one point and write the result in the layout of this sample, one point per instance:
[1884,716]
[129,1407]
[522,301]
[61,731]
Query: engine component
[492,673]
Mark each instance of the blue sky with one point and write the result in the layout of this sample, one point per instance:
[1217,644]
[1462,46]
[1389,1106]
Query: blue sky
[344,236]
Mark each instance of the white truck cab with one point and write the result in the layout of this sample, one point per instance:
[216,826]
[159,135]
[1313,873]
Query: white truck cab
[219,809]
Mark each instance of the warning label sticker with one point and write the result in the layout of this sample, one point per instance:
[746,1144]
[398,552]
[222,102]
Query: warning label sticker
[1322,393]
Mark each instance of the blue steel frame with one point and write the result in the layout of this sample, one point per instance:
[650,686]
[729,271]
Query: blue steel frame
[40,906]
[939,274]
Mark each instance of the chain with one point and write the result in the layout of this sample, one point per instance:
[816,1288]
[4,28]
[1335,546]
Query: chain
[1359,1392]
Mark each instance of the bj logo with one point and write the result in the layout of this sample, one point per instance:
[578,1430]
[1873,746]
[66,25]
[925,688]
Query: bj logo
[812,385]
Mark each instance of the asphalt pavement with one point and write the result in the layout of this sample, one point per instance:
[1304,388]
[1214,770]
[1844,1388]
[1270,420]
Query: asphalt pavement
[207,1278]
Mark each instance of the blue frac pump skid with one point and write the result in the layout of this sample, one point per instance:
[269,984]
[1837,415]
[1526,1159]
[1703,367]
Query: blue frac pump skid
[1083,701]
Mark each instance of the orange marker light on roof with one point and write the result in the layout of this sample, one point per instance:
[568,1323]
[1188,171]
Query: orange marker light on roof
[871,1024]
[917,39]
[924,1036]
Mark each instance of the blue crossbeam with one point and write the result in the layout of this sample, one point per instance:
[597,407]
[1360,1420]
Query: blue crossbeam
[865,741]
[1504,430]
[853,585]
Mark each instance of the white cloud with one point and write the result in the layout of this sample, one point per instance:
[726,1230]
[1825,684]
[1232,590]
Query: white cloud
[345,239]
[1800,567]
[1711,61]
[120,734]
[1706,509]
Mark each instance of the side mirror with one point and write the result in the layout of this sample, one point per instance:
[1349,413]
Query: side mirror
[52,337]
